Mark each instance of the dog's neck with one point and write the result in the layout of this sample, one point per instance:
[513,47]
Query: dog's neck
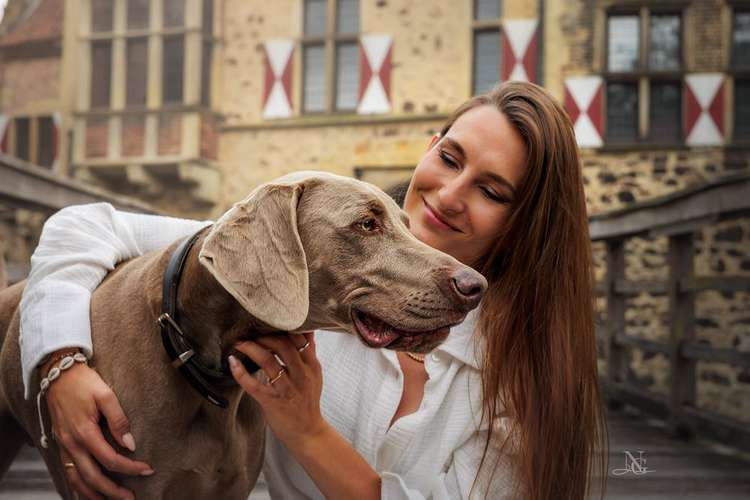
[210,317]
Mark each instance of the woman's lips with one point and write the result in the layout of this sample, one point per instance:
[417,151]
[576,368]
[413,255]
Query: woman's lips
[435,220]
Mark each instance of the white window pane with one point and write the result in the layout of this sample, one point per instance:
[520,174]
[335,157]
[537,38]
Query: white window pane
[665,43]
[314,91]
[347,76]
[347,16]
[486,9]
[315,17]
[486,60]
[622,46]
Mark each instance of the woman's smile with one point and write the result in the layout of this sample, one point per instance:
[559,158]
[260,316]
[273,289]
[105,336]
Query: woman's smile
[437,220]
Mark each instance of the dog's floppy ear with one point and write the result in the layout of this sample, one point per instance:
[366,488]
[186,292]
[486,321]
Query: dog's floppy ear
[255,252]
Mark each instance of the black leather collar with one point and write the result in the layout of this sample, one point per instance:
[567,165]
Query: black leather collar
[203,378]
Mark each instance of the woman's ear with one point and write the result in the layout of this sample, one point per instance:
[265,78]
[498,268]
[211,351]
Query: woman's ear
[434,140]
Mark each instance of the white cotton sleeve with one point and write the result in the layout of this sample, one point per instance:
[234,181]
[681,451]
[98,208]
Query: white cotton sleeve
[458,480]
[78,246]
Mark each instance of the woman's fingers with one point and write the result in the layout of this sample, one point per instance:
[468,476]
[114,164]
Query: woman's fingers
[117,422]
[287,351]
[308,353]
[92,475]
[75,481]
[90,437]
[249,384]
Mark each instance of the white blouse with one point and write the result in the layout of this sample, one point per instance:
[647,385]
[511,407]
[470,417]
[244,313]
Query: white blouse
[431,453]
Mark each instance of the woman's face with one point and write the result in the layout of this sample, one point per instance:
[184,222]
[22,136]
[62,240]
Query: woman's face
[462,188]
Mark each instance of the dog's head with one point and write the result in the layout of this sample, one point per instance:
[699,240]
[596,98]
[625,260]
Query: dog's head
[317,250]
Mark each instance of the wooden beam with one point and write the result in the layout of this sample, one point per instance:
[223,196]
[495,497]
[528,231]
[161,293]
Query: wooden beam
[702,352]
[615,353]
[681,329]
[29,186]
[643,344]
[718,283]
[677,212]
[626,287]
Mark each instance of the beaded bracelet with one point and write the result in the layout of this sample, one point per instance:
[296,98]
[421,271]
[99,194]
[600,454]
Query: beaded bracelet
[66,363]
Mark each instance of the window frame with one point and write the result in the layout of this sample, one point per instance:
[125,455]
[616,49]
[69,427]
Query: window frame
[643,76]
[155,34]
[485,25]
[33,138]
[330,39]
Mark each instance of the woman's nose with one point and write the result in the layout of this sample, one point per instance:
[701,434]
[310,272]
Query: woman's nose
[450,196]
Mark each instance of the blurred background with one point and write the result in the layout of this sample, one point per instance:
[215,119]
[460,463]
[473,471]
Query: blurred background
[182,107]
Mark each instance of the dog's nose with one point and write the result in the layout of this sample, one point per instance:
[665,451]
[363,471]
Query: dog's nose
[469,284]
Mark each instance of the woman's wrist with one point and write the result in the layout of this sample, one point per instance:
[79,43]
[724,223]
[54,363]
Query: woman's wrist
[313,441]
[50,360]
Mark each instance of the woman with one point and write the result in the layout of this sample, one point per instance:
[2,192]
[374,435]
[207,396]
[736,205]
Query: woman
[507,407]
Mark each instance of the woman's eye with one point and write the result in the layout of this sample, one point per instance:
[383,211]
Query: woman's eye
[488,193]
[368,225]
[448,159]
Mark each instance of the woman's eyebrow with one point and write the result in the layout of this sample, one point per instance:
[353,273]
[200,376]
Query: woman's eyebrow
[455,145]
[490,175]
[500,180]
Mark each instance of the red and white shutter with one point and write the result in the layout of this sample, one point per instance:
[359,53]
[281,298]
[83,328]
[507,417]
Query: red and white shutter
[519,44]
[704,109]
[375,74]
[4,147]
[277,91]
[585,105]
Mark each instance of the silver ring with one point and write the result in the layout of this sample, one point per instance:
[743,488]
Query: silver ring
[69,465]
[307,344]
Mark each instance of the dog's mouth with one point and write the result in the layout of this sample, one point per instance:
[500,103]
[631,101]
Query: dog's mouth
[377,333]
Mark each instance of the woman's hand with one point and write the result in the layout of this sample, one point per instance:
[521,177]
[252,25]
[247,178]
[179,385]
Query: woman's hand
[291,404]
[76,401]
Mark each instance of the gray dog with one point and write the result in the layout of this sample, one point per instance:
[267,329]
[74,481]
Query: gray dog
[308,251]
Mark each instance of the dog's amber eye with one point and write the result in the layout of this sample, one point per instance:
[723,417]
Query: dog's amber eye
[368,225]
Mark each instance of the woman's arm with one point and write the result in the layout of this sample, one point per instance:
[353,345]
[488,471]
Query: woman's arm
[291,407]
[78,246]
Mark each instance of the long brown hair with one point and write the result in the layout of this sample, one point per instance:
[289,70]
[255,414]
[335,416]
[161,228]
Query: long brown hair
[536,323]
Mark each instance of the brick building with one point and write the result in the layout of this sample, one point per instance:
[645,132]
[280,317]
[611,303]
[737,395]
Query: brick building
[189,104]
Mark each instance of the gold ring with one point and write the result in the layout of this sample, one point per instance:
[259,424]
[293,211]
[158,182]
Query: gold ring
[282,371]
[307,344]
[69,465]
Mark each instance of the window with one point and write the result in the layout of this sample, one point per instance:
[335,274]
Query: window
[33,139]
[140,31]
[741,72]
[101,72]
[330,56]
[23,133]
[122,44]
[136,67]
[486,45]
[644,80]
[172,58]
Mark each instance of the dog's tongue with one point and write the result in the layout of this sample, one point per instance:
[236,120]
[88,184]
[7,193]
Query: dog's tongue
[376,332]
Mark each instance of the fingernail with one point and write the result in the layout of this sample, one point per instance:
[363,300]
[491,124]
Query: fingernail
[127,438]
[233,361]
[147,472]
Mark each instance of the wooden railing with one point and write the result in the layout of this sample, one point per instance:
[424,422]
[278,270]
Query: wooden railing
[31,187]
[676,216]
